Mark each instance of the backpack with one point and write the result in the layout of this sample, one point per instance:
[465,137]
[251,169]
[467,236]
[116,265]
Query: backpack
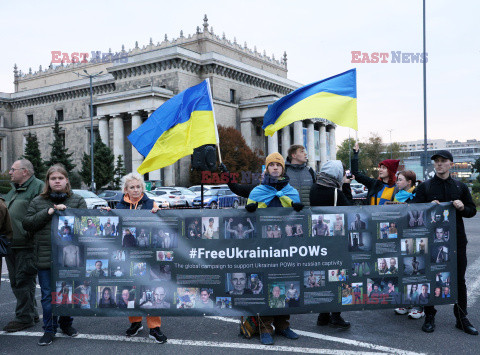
[249,326]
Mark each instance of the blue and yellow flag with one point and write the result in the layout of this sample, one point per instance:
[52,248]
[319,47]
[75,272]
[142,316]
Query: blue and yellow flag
[334,99]
[183,123]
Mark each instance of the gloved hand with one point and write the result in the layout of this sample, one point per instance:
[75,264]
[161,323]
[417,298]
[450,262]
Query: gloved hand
[223,168]
[297,206]
[251,207]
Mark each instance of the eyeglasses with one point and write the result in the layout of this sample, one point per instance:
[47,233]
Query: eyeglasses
[13,169]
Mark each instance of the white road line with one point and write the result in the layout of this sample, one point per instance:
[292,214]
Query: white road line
[336,339]
[473,282]
[214,344]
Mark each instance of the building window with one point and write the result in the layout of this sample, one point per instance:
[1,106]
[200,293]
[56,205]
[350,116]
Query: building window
[62,137]
[258,131]
[1,145]
[232,96]
[60,115]
[94,109]
[29,120]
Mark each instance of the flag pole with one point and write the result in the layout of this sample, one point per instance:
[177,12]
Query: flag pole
[214,121]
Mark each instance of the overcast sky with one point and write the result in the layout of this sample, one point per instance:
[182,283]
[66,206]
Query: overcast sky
[318,35]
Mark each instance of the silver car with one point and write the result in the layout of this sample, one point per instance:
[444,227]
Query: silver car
[92,200]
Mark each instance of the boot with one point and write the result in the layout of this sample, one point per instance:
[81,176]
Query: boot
[464,324]
[337,321]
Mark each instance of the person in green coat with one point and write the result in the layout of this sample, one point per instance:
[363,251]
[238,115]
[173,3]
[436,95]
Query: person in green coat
[56,196]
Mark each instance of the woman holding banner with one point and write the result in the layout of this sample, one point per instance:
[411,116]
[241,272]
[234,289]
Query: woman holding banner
[326,192]
[274,191]
[56,196]
[134,198]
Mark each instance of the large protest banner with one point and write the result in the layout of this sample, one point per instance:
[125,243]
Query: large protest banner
[231,262]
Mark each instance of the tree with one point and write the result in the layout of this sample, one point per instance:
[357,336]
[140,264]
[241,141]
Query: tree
[393,151]
[345,151]
[32,153]
[476,168]
[60,153]
[119,172]
[236,154]
[103,160]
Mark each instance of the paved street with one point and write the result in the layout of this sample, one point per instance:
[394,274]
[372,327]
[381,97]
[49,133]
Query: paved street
[371,332]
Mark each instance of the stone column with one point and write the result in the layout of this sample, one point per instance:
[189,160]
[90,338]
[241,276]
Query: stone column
[156,174]
[273,143]
[246,127]
[285,141]
[103,130]
[137,158]
[333,145]
[298,133]
[169,172]
[118,137]
[323,144]
[311,144]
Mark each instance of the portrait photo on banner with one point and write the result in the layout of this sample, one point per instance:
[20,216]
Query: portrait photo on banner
[239,227]
[324,225]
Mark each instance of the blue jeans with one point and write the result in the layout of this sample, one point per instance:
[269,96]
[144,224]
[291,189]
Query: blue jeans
[50,323]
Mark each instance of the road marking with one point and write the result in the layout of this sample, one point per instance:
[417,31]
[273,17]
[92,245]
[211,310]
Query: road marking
[335,339]
[215,344]
[473,284]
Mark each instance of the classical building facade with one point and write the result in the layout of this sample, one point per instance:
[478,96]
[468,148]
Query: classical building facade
[136,82]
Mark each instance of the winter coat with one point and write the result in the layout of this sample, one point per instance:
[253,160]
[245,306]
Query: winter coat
[18,199]
[38,221]
[302,177]
[374,186]
[145,203]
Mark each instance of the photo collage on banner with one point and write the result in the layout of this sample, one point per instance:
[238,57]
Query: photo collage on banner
[231,262]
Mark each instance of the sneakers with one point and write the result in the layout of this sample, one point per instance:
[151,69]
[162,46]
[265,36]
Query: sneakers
[323,319]
[266,339]
[416,313]
[401,311]
[464,324]
[15,326]
[429,324]
[337,321]
[134,329]
[287,333]
[157,335]
[46,339]
[70,331]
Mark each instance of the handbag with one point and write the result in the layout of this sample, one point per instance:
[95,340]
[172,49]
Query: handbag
[4,246]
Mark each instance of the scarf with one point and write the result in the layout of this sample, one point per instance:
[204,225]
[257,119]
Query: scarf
[328,181]
[272,187]
[404,195]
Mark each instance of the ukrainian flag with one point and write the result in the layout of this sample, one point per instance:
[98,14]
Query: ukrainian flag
[334,99]
[183,123]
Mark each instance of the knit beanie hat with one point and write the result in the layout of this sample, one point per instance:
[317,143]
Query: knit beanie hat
[275,158]
[392,166]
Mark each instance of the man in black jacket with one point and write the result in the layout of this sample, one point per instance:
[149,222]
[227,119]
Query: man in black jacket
[442,188]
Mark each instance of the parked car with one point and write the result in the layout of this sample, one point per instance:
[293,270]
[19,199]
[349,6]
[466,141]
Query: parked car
[161,201]
[112,197]
[358,190]
[92,200]
[174,197]
[189,195]
[217,198]
[197,188]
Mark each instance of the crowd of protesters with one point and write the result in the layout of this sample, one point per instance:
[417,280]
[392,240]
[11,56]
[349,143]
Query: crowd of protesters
[27,211]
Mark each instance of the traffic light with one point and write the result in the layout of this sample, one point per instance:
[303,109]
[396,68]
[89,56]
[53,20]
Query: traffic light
[204,158]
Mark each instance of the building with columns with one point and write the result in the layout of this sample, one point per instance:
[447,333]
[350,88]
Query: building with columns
[136,82]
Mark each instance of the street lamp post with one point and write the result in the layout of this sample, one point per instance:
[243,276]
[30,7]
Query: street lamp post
[90,76]
[391,147]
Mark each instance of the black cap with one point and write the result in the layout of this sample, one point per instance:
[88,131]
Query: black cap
[444,154]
